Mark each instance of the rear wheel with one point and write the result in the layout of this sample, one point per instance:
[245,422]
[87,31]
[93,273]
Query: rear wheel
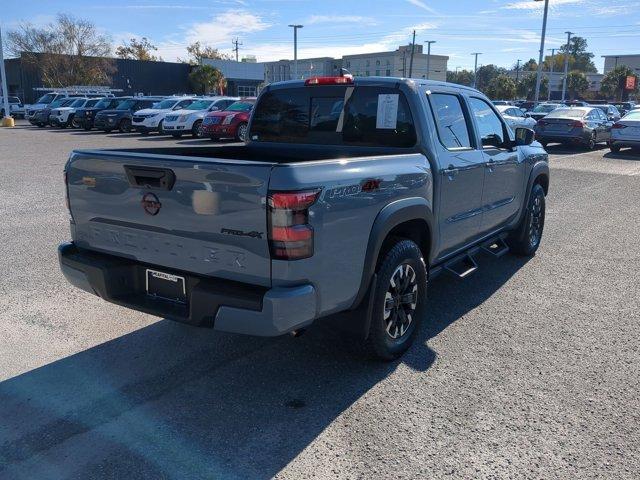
[591,143]
[614,148]
[241,133]
[196,130]
[399,300]
[525,240]
[125,126]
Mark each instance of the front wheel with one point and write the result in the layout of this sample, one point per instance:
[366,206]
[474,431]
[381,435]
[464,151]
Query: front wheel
[241,133]
[160,128]
[399,300]
[525,240]
[125,126]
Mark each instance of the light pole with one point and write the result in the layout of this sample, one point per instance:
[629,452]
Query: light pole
[566,66]
[544,32]
[553,52]
[475,68]
[7,121]
[429,42]
[518,71]
[295,49]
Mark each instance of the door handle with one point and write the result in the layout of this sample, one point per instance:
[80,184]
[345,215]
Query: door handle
[490,164]
[451,171]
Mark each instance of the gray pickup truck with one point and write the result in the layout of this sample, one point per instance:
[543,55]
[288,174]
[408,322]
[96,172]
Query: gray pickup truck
[347,197]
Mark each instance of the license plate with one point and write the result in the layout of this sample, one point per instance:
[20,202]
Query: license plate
[166,286]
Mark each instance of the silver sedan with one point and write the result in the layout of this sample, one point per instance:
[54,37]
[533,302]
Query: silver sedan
[515,117]
[626,132]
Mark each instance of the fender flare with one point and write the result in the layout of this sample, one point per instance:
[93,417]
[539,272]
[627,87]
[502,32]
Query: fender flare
[392,215]
[540,168]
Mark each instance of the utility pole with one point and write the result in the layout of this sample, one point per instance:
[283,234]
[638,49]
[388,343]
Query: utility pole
[413,46]
[236,46]
[566,66]
[553,52]
[540,57]
[295,49]
[475,68]
[429,42]
[7,121]
[518,71]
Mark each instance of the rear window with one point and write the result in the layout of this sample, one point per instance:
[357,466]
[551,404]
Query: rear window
[335,115]
[567,113]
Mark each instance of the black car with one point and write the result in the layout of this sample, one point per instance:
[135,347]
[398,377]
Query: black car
[543,110]
[624,107]
[526,106]
[84,116]
[41,117]
[120,117]
[610,111]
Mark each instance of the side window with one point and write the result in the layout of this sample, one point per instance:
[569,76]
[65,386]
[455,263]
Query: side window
[450,120]
[518,113]
[491,129]
[184,103]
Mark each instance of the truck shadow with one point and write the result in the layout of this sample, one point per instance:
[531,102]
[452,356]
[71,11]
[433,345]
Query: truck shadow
[171,401]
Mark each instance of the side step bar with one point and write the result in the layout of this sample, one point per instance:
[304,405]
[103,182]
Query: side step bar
[463,267]
[497,247]
[465,264]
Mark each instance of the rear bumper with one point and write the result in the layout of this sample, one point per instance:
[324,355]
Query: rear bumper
[219,130]
[561,138]
[623,142]
[224,305]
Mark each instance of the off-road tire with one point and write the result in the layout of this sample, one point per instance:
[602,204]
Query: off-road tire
[525,240]
[380,342]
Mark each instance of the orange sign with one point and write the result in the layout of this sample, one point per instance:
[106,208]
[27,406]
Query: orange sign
[630,84]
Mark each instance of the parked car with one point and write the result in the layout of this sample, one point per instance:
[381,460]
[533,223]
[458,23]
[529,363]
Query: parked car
[624,107]
[544,109]
[63,116]
[121,117]
[575,103]
[152,119]
[626,132]
[527,106]
[610,111]
[16,108]
[189,119]
[85,117]
[41,117]
[502,102]
[516,117]
[232,122]
[330,207]
[586,126]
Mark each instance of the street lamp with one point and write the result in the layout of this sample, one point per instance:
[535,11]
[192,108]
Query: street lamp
[7,121]
[540,58]
[553,52]
[566,66]
[429,42]
[475,68]
[295,49]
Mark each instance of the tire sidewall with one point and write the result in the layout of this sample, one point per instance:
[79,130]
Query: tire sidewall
[403,252]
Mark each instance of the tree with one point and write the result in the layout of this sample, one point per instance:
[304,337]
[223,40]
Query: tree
[613,83]
[501,87]
[463,77]
[577,84]
[68,51]
[530,65]
[138,50]
[487,73]
[582,60]
[205,78]
[527,86]
[197,52]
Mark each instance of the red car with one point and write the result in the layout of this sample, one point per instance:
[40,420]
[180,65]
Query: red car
[230,123]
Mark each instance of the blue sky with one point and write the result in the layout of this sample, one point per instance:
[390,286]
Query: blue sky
[503,30]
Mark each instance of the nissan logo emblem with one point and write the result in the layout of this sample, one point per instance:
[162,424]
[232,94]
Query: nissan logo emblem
[150,203]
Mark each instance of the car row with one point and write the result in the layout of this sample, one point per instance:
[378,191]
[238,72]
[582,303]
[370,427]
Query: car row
[223,116]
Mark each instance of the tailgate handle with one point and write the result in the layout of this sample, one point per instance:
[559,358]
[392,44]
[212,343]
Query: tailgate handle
[150,178]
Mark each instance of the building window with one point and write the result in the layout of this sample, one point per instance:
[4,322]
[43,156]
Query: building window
[367,73]
[367,63]
[377,62]
[388,72]
[246,91]
[348,64]
[377,73]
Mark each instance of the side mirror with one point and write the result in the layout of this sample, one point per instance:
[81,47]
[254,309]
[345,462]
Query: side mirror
[524,136]
[527,114]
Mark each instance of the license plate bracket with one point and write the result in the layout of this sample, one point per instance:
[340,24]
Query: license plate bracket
[166,286]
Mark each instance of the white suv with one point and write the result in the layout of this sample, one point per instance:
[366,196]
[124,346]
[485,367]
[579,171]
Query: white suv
[189,120]
[63,116]
[152,119]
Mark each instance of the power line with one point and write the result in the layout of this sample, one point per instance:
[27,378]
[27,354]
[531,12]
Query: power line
[236,46]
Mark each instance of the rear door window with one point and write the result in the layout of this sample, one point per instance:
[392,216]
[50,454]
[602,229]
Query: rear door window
[451,122]
[336,115]
[492,131]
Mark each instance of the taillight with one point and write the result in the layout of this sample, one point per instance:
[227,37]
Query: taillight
[577,124]
[66,194]
[347,79]
[618,126]
[290,235]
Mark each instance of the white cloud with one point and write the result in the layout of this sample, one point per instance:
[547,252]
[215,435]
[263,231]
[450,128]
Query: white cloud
[336,19]
[533,5]
[220,29]
[421,4]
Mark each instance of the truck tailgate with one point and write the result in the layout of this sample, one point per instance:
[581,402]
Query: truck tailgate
[200,215]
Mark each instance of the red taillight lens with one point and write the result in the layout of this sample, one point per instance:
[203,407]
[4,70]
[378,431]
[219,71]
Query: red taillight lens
[618,126]
[577,124]
[347,79]
[290,235]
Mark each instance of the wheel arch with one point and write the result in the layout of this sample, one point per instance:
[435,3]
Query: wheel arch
[410,218]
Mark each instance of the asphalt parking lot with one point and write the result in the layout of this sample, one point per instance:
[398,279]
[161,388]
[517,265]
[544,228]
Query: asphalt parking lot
[528,369]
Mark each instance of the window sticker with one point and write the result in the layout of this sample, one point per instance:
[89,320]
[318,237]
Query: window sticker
[387,116]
